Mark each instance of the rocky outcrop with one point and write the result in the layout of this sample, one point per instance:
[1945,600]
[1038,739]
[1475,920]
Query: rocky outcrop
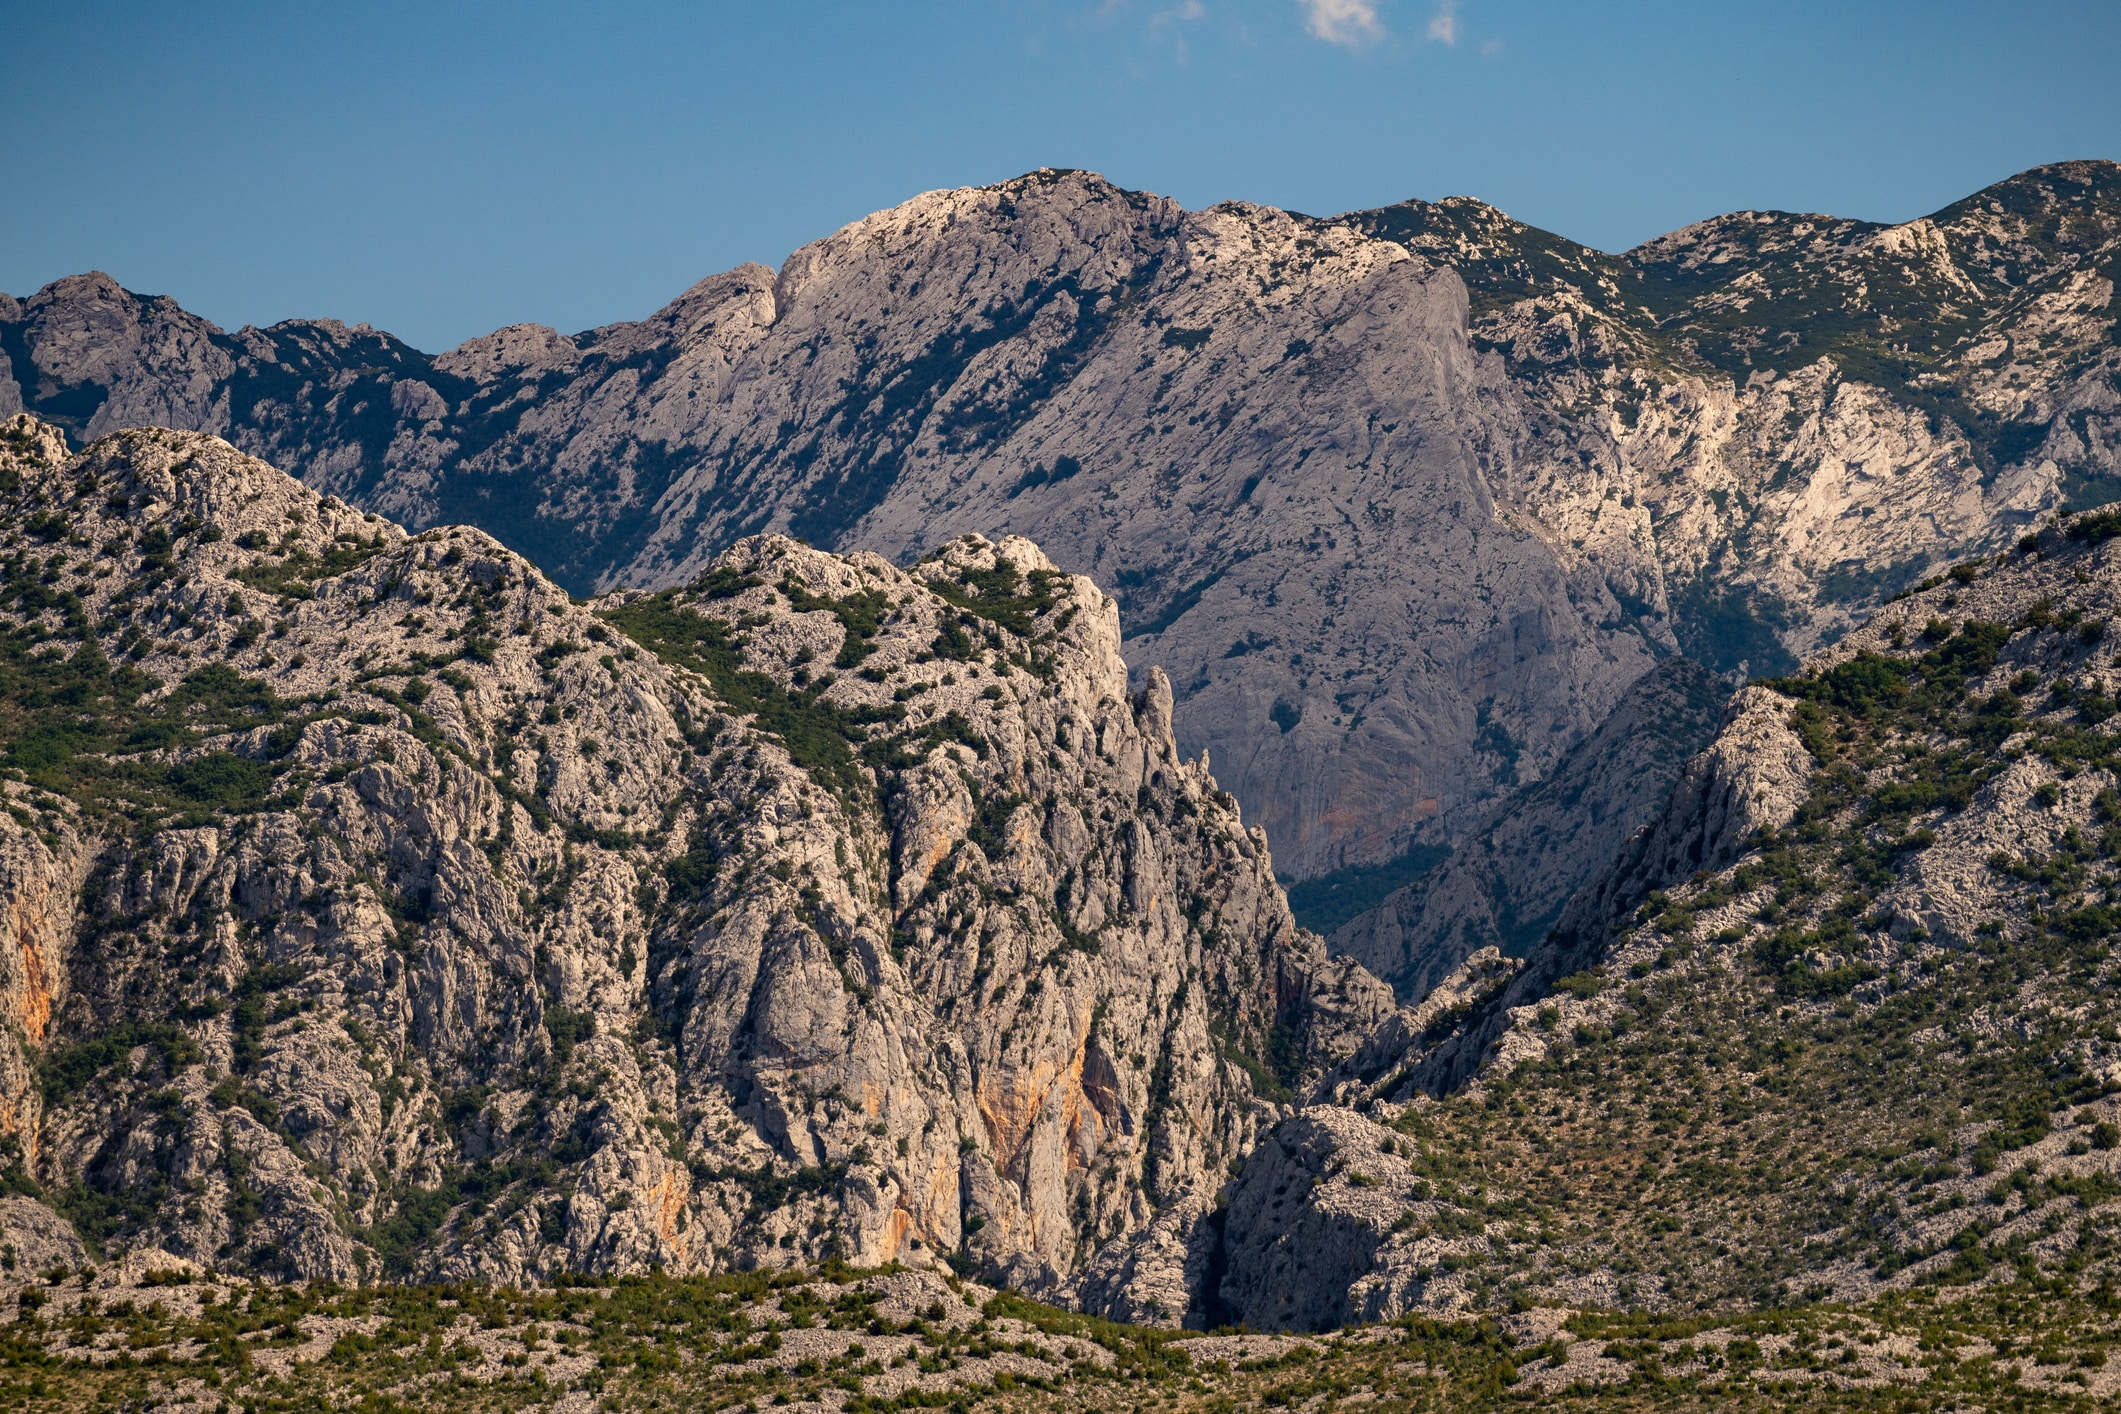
[44,863]
[1333,1226]
[1295,448]
[1164,1277]
[390,913]
[1388,1057]
[34,1240]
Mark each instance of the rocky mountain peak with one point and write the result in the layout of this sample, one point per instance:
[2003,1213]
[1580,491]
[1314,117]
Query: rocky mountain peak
[1548,466]
[398,914]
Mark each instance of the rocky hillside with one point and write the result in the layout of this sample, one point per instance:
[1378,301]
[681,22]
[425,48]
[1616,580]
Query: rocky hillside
[1844,1022]
[1405,499]
[1253,426]
[377,910]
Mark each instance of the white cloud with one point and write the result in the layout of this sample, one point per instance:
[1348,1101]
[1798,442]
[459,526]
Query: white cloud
[1169,22]
[1349,22]
[1443,25]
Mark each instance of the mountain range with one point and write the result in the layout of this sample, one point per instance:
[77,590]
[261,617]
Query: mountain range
[379,912]
[710,836]
[1403,500]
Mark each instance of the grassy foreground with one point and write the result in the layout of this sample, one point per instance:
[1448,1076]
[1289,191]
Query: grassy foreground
[866,1342]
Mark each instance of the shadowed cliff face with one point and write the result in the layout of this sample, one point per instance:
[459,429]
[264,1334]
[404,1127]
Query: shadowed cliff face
[1508,884]
[1403,500]
[371,908]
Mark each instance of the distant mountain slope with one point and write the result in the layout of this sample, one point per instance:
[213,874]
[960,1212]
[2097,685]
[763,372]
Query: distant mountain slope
[1812,407]
[377,911]
[1404,499]
[1508,884]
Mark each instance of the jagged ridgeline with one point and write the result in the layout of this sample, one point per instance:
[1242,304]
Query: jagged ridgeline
[1405,500]
[1844,1024]
[375,910]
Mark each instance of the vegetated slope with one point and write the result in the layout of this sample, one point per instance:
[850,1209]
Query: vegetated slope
[1508,884]
[1276,437]
[1846,1021]
[376,910]
[158,1336]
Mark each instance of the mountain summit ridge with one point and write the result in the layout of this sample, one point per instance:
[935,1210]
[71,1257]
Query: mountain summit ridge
[1549,467]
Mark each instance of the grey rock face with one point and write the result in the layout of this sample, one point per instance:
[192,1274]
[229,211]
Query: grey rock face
[1404,499]
[1508,884]
[402,916]
[1315,1227]
[35,1239]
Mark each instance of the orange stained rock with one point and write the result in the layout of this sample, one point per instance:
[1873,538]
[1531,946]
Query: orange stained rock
[1010,1105]
[33,1010]
[1072,1118]
[670,1194]
[960,821]
[897,1228]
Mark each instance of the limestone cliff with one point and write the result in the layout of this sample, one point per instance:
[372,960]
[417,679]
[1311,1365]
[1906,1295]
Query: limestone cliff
[1269,435]
[1404,499]
[374,908]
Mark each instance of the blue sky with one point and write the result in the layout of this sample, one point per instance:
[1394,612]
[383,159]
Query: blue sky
[439,170]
